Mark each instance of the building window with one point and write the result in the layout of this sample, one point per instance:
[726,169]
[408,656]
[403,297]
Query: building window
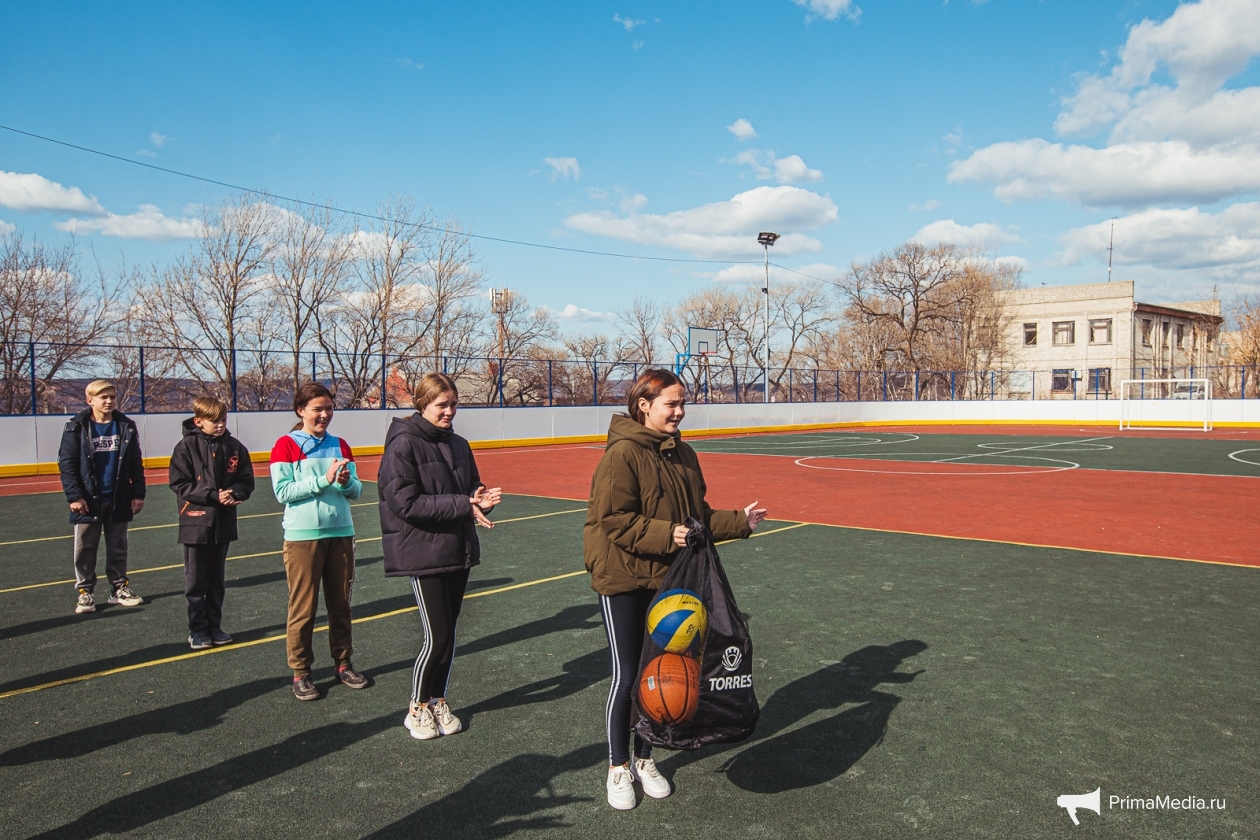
[1180,335]
[1064,332]
[1061,380]
[1167,333]
[1100,380]
[1146,332]
[1100,331]
[1030,335]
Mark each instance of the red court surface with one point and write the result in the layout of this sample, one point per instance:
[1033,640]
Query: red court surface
[1182,516]
[1190,517]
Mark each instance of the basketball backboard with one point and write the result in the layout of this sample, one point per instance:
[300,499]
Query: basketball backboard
[701,341]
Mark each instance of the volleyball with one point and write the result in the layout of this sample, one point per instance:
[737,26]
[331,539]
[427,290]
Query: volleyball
[677,620]
[669,688]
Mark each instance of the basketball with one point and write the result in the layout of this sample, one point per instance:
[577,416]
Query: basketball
[677,620]
[669,688]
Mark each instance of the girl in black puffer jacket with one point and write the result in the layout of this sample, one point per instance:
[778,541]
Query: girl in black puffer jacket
[431,500]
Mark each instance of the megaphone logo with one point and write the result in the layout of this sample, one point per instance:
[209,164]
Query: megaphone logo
[1072,801]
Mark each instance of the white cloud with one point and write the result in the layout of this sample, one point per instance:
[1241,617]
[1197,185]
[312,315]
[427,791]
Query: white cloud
[31,193]
[148,223]
[1223,244]
[146,153]
[628,23]
[792,170]
[1125,174]
[742,129]
[722,228]
[948,232]
[407,64]
[831,9]
[632,203]
[1191,142]
[749,274]
[564,167]
[573,312]
[6,227]
[598,194]
[930,204]
[158,140]
[786,170]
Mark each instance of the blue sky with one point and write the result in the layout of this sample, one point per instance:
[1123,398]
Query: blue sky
[1019,126]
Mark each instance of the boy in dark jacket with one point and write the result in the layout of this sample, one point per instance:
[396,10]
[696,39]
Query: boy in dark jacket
[211,475]
[102,473]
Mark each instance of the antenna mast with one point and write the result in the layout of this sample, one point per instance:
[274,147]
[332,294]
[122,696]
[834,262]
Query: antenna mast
[1110,247]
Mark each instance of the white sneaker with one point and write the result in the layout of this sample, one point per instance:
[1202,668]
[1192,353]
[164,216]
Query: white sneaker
[621,788]
[124,596]
[420,723]
[654,784]
[86,603]
[447,723]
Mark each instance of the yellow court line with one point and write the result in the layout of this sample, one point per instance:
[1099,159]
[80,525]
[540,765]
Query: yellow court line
[262,553]
[1023,544]
[156,527]
[266,639]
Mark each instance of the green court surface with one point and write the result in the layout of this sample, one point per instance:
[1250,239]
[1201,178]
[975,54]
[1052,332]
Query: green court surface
[1104,451]
[911,686]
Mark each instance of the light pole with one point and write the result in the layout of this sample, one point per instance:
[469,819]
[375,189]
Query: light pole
[765,239]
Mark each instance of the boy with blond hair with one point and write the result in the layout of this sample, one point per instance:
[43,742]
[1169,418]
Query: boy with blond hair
[211,475]
[102,473]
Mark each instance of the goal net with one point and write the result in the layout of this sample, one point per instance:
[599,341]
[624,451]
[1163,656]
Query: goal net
[1166,404]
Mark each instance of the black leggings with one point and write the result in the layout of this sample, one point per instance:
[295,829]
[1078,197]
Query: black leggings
[625,619]
[439,598]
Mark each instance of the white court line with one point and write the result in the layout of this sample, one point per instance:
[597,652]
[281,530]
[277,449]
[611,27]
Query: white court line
[1022,469]
[1022,449]
[1233,457]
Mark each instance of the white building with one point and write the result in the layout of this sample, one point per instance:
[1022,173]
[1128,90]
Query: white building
[1082,341]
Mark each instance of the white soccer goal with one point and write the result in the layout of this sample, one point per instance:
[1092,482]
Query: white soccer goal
[1166,404]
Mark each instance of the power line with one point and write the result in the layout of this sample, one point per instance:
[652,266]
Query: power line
[370,216]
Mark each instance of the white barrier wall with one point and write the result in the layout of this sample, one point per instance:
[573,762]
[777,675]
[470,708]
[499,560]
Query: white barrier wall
[31,441]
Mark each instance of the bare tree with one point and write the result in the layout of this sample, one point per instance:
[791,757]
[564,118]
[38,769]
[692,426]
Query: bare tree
[800,314]
[639,325]
[522,345]
[207,303]
[309,268]
[50,312]
[381,315]
[454,279]
[912,293]
[733,312]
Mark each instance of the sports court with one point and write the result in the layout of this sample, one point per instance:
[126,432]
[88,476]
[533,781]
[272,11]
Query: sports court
[951,629]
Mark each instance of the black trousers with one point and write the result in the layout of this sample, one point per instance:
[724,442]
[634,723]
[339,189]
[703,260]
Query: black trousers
[625,619]
[204,567]
[439,598]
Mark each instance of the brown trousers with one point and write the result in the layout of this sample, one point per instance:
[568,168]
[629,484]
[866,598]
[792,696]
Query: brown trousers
[307,563]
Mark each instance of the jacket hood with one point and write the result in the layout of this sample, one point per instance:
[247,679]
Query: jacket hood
[190,428]
[624,427]
[416,426]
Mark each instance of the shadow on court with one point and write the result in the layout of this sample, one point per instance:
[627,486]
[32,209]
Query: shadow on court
[569,618]
[780,758]
[501,801]
[578,675]
[167,799]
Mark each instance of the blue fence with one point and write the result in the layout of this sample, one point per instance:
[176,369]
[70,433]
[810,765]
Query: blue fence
[43,378]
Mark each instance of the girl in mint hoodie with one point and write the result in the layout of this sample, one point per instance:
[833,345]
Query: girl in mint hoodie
[314,475]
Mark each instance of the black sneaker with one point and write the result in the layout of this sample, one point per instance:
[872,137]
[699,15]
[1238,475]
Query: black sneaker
[351,678]
[219,637]
[200,641]
[304,689]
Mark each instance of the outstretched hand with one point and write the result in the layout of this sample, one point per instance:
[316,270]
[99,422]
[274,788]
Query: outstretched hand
[480,518]
[486,498]
[755,515]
